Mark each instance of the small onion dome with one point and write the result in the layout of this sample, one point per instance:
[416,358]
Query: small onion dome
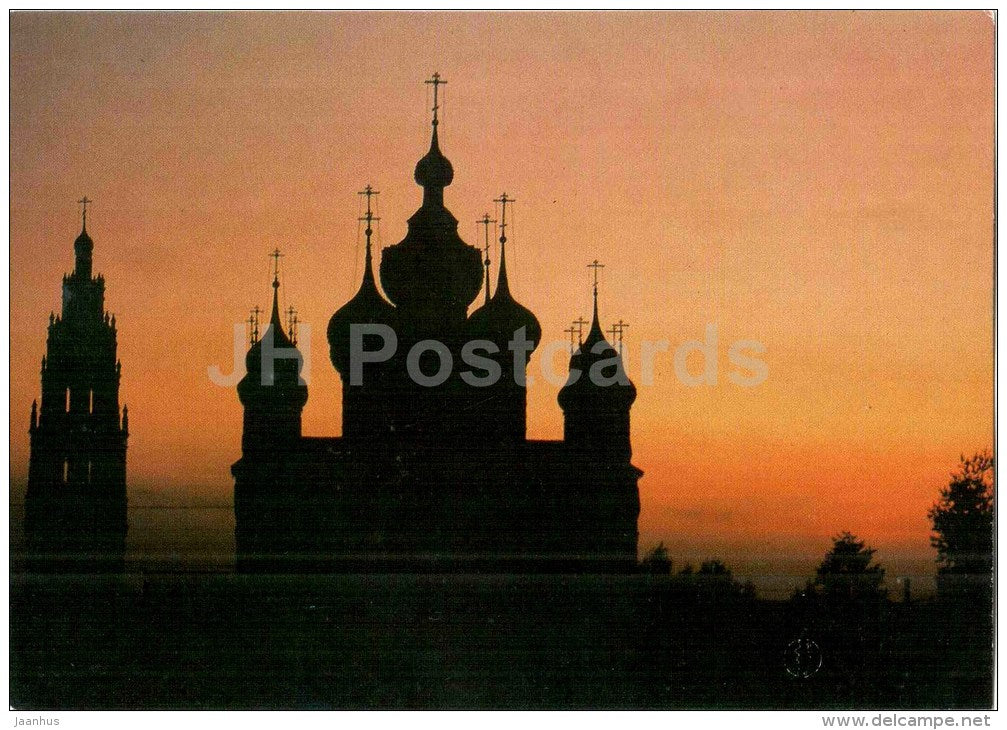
[434,170]
[287,365]
[502,316]
[366,307]
[613,392]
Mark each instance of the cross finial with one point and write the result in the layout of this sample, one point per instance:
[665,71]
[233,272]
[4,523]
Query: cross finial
[596,266]
[292,323]
[485,221]
[580,323]
[369,217]
[84,201]
[617,331]
[503,200]
[276,256]
[436,80]
[571,330]
[369,193]
[253,321]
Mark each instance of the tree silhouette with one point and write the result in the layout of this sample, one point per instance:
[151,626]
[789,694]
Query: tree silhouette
[714,567]
[847,573]
[963,526]
[656,561]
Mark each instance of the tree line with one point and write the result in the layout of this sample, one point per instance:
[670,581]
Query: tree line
[962,521]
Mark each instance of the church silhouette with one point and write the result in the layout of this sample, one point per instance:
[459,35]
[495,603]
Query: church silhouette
[434,474]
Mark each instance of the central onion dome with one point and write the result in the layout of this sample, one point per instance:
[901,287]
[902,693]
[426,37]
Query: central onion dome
[366,307]
[502,316]
[432,275]
[434,170]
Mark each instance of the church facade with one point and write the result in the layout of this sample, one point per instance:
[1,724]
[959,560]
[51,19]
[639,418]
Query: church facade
[434,474]
[75,504]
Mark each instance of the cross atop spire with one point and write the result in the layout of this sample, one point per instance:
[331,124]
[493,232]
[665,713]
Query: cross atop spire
[503,200]
[580,323]
[436,80]
[276,256]
[369,192]
[485,221]
[369,217]
[84,201]
[596,266]
[595,326]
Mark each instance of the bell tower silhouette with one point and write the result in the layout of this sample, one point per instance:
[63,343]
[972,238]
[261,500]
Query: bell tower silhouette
[75,506]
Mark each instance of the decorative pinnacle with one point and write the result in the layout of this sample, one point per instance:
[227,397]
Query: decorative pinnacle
[485,221]
[436,80]
[253,323]
[84,201]
[292,322]
[616,331]
[571,330]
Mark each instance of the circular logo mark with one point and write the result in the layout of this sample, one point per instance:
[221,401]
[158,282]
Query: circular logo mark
[803,657]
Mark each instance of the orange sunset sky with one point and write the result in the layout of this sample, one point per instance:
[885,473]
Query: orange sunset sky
[819,182]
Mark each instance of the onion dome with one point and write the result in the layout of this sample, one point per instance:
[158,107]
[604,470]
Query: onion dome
[607,388]
[83,245]
[432,275]
[286,363]
[82,249]
[434,171]
[502,316]
[366,307]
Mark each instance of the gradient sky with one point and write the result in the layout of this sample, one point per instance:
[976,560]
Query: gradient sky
[819,182]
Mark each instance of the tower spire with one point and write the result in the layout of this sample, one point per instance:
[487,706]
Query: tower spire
[368,218]
[274,318]
[596,266]
[485,221]
[502,285]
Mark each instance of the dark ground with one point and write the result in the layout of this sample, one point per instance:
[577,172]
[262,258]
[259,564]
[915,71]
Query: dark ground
[403,641]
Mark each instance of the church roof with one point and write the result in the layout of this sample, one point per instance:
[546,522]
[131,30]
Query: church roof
[610,387]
